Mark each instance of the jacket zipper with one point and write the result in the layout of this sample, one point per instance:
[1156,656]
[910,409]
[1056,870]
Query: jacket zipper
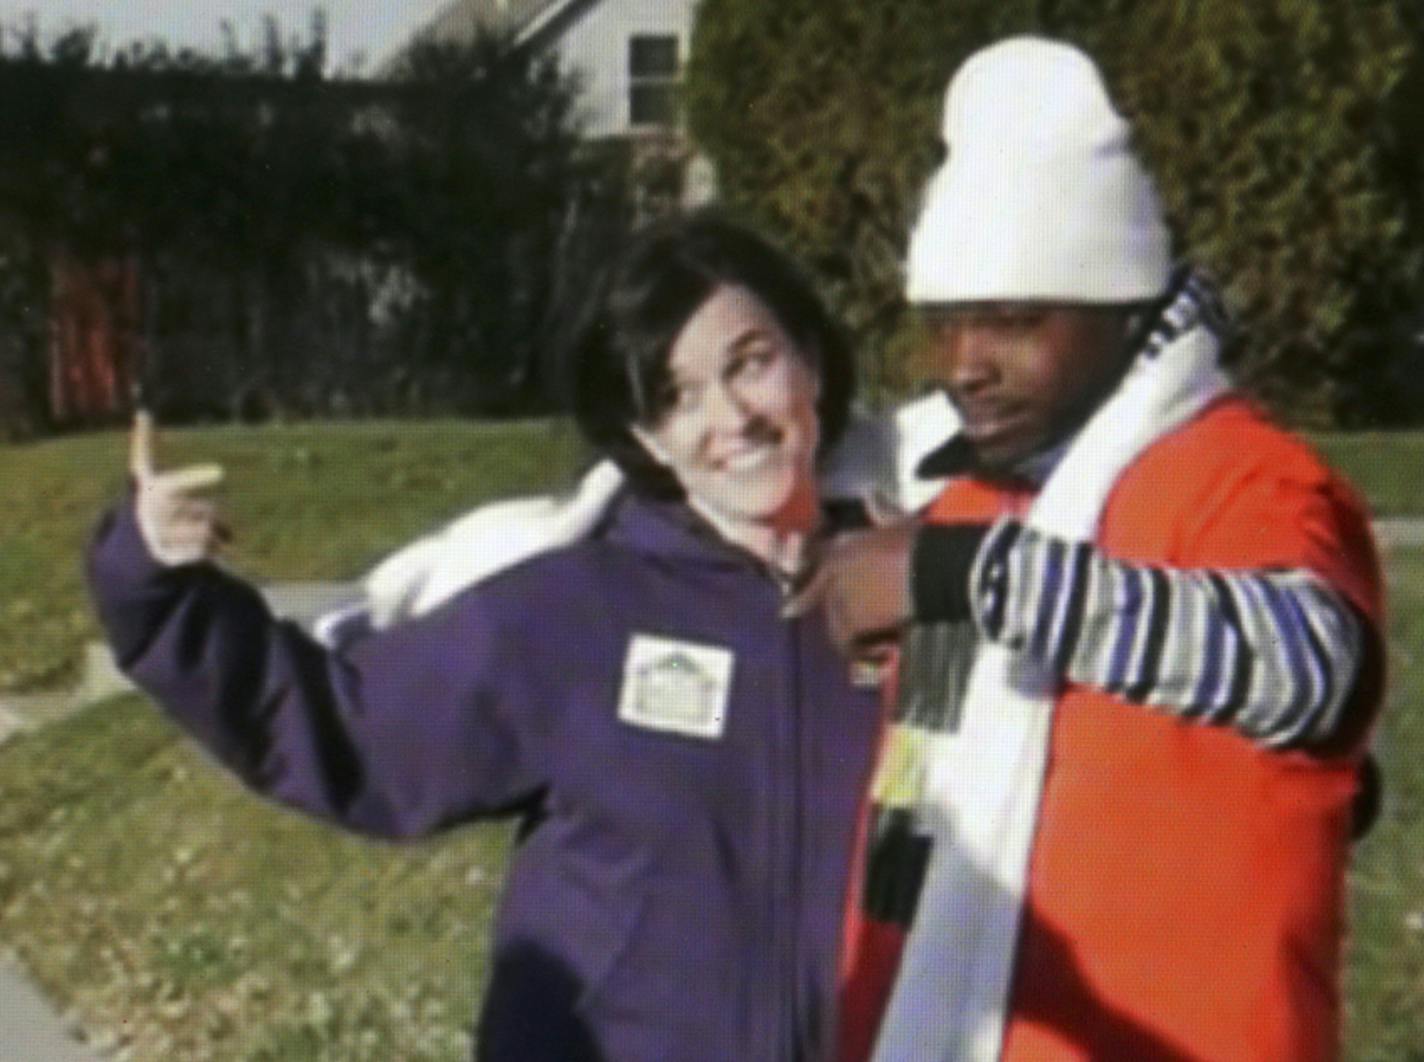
[792,819]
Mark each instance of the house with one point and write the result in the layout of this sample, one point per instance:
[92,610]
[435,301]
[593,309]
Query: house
[628,54]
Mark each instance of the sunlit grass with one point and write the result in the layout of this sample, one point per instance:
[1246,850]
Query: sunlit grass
[176,914]
[1385,979]
[181,917]
[1387,467]
[306,502]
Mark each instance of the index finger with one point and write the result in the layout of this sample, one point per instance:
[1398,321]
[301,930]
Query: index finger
[141,445]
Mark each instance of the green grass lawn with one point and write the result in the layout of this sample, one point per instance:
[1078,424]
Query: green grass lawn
[1387,467]
[174,912]
[1385,973]
[306,502]
[182,918]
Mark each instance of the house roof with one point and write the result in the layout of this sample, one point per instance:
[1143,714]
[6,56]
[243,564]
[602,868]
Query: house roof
[547,14]
[458,21]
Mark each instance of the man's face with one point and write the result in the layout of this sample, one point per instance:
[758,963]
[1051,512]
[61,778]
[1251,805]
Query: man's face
[1024,376]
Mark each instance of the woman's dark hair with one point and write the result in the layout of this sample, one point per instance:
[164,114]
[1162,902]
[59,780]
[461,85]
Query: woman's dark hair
[615,370]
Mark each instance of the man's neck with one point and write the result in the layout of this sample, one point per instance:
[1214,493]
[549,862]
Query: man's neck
[1036,468]
[957,458]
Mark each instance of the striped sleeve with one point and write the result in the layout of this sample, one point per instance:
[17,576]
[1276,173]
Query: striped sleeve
[1274,653]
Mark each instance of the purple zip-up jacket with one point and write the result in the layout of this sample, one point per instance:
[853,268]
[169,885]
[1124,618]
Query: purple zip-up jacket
[693,761]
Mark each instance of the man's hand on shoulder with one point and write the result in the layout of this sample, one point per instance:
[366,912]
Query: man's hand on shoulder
[871,583]
[862,581]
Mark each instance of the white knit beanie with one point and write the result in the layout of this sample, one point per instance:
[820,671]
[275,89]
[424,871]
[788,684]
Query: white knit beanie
[1041,197]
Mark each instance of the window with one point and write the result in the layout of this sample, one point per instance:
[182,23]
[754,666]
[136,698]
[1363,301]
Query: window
[652,81]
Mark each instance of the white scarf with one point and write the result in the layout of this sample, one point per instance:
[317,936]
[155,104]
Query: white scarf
[984,781]
[875,459]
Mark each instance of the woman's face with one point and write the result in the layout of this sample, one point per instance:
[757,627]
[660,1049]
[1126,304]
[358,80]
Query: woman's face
[740,430]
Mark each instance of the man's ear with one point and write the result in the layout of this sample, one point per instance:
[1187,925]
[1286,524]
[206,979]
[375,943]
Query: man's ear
[655,449]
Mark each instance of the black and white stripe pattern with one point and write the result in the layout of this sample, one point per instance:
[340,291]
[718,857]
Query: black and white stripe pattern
[1192,301]
[1274,653]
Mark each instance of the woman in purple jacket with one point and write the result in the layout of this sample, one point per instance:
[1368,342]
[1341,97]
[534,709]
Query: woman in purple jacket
[692,760]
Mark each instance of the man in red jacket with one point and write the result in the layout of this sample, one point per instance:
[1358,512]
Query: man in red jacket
[1140,649]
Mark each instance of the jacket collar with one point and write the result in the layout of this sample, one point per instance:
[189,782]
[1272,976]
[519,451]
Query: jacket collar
[674,530]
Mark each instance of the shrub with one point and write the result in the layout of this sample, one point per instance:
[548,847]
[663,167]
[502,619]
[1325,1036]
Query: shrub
[304,244]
